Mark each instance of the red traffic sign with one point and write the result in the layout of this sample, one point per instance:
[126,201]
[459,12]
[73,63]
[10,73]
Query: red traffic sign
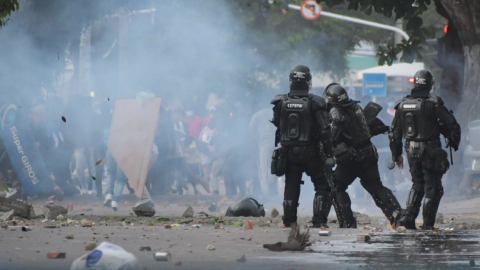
[310,9]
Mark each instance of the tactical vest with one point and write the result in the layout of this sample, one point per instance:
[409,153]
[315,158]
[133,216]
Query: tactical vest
[418,121]
[357,132]
[297,122]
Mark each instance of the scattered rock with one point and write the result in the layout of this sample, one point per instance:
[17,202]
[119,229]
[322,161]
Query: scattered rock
[178,263]
[218,226]
[439,218]
[296,241]
[188,213]
[144,211]
[401,229]
[363,238]
[242,259]
[56,255]
[362,219]
[21,209]
[249,239]
[247,207]
[7,216]
[145,248]
[69,236]
[90,246]
[60,218]
[274,213]
[51,212]
[167,226]
[86,223]
[213,207]
[379,229]
[50,226]
[210,247]
[25,229]
[106,236]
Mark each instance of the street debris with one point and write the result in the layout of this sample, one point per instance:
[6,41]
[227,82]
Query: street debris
[363,238]
[162,256]
[242,259]
[86,223]
[211,247]
[25,229]
[107,256]
[144,211]
[218,226]
[167,226]
[145,248]
[69,236]
[6,216]
[51,212]
[21,209]
[296,241]
[324,233]
[198,226]
[248,225]
[56,255]
[362,219]
[401,229]
[247,207]
[90,246]
[178,263]
[274,213]
[188,213]
[213,207]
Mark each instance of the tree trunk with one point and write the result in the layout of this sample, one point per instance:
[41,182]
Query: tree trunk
[465,16]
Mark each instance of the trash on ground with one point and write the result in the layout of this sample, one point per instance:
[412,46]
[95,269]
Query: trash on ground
[56,255]
[145,248]
[363,238]
[162,256]
[242,259]
[144,211]
[90,246]
[296,241]
[69,236]
[247,207]
[274,213]
[324,233]
[211,247]
[107,256]
[188,213]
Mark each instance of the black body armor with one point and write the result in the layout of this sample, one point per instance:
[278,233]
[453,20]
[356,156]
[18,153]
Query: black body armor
[349,125]
[418,120]
[297,121]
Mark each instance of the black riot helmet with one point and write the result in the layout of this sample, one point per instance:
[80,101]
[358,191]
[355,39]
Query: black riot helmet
[336,94]
[423,83]
[423,79]
[300,80]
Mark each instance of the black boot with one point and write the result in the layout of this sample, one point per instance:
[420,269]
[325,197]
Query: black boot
[344,204]
[388,203]
[414,202]
[430,208]
[289,212]
[321,209]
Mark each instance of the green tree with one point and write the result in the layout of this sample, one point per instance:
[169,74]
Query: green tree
[6,8]
[459,49]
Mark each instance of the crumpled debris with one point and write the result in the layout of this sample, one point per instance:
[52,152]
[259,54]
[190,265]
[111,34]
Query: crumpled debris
[211,247]
[188,213]
[242,259]
[296,241]
[247,207]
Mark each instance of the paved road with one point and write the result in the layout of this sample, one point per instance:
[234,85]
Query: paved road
[386,250]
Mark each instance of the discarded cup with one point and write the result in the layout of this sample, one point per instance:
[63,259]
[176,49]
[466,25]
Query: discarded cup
[162,256]
[324,233]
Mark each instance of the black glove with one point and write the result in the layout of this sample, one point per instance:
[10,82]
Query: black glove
[330,162]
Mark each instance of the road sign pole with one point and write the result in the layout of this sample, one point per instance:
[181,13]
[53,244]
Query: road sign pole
[355,20]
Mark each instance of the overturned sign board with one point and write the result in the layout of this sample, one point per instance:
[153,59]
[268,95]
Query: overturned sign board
[131,138]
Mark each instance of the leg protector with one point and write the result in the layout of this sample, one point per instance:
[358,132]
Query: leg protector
[321,209]
[289,212]
[414,201]
[344,204]
[388,203]
[430,208]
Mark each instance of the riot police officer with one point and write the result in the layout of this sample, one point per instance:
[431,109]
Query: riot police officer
[420,118]
[304,134]
[356,157]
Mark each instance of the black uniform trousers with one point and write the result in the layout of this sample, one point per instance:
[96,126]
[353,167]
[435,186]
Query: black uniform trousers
[366,170]
[308,160]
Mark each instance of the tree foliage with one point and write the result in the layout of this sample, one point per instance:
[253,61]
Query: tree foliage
[6,9]
[401,9]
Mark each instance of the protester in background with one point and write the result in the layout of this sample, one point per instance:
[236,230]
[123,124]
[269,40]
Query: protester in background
[195,122]
[260,124]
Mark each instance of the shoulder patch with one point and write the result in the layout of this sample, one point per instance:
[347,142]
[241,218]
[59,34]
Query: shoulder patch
[435,99]
[398,103]
[277,98]
[319,100]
